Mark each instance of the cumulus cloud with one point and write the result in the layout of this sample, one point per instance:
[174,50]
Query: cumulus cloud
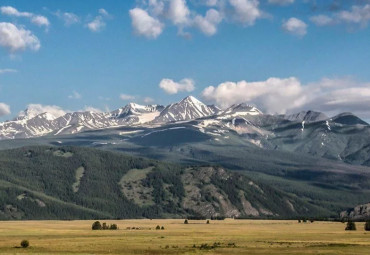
[11,11]
[4,109]
[36,109]
[126,97]
[40,21]
[208,24]
[273,95]
[150,18]
[91,109]
[276,95]
[295,26]
[68,18]
[246,11]
[17,38]
[144,24]
[172,87]
[281,2]
[7,70]
[357,15]
[75,95]
[103,12]
[178,12]
[35,19]
[96,25]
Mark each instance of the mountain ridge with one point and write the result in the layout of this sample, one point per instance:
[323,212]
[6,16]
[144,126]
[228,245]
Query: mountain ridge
[32,123]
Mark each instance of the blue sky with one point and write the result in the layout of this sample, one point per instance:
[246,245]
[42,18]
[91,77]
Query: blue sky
[318,52]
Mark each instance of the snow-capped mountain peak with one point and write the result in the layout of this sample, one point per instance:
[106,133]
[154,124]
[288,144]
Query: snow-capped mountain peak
[188,108]
[239,110]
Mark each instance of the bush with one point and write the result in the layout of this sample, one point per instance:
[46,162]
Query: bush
[207,221]
[162,228]
[105,226]
[186,222]
[25,244]
[96,226]
[350,225]
[299,221]
[367,225]
[113,227]
[157,227]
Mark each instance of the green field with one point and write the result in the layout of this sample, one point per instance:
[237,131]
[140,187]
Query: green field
[231,236]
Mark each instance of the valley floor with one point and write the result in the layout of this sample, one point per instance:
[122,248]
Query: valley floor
[249,237]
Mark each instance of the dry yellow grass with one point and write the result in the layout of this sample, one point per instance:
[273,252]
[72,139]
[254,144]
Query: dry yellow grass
[249,236]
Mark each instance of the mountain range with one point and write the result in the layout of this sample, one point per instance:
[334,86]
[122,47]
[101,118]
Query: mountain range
[322,161]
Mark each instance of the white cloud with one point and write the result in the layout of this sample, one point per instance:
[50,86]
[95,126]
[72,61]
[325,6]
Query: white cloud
[103,12]
[272,95]
[35,19]
[17,38]
[11,11]
[295,26]
[40,21]
[97,24]
[281,2]
[36,109]
[69,18]
[178,12]
[148,100]
[7,70]
[208,24]
[156,7]
[151,16]
[276,95]
[126,97]
[144,24]
[75,95]
[91,109]
[4,109]
[246,11]
[172,87]
[359,15]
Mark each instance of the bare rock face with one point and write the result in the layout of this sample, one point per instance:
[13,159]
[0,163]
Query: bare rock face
[360,212]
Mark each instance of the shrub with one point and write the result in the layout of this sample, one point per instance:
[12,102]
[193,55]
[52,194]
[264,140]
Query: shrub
[350,225]
[96,226]
[186,222]
[25,244]
[105,226]
[299,221]
[113,227]
[157,227]
[207,221]
[367,225]
[162,228]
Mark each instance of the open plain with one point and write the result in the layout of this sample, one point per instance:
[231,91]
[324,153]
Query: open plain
[219,237]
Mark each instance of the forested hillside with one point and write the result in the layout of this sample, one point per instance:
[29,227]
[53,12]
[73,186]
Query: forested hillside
[43,182]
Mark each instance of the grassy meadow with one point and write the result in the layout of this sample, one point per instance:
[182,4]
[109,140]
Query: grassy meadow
[230,236]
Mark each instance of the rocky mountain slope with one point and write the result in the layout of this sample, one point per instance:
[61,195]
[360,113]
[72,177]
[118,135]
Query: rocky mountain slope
[344,137]
[360,212]
[77,183]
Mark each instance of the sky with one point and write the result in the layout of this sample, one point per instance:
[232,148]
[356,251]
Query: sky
[281,55]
